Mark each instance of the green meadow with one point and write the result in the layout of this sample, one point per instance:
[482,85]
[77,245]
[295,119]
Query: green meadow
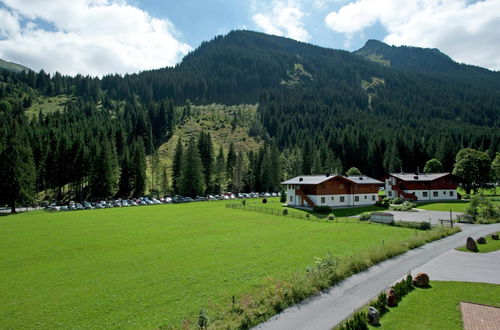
[438,307]
[144,267]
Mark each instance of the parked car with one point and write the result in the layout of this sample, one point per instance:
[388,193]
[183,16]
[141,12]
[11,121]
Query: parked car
[87,206]
[64,208]
[99,206]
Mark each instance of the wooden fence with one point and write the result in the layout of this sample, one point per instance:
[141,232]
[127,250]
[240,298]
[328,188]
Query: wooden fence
[268,210]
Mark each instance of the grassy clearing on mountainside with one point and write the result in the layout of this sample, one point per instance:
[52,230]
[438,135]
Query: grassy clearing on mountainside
[48,104]
[438,307]
[142,267]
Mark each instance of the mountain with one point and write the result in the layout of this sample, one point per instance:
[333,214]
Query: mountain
[427,61]
[11,66]
[284,107]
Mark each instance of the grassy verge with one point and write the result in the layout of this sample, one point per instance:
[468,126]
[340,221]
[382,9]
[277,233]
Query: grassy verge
[438,307]
[490,246]
[255,308]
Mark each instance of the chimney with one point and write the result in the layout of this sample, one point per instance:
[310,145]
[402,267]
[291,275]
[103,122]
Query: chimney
[361,178]
[327,174]
[416,177]
[301,179]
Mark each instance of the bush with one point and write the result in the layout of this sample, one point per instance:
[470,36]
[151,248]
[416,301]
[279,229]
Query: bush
[365,216]
[203,319]
[359,321]
[383,203]
[406,206]
[285,212]
[322,209]
[403,287]
[264,200]
[397,200]
[283,196]
[425,225]
[381,303]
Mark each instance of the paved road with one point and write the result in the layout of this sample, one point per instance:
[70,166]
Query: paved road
[423,215]
[328,309]
[464,266]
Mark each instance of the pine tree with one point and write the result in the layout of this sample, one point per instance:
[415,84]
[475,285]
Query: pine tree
[139,168]
[177,165]
[206,153]
[307,157]
[316,166]
[220,172]
[230,161]
[164,184]
[17,168]
[103,178]
[238,173]
[191,181]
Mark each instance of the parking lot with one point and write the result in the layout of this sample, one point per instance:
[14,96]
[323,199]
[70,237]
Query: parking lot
[424,216]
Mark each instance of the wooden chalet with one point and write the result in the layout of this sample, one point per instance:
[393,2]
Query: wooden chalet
[421,187]
[331,190]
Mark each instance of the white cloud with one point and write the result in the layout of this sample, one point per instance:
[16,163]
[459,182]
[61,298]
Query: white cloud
[93,37]
[282,18]
[468,32]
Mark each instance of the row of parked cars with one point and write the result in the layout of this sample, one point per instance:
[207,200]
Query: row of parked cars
[72,206]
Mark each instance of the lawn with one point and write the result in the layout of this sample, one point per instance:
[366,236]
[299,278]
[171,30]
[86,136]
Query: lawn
[439,306]
[490,246]
[339,213]
[142,267]
[455,206]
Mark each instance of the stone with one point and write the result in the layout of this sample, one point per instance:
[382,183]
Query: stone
[494,236]
[421,280]
[373,316]
[392,299]
[471,244]
[481,240]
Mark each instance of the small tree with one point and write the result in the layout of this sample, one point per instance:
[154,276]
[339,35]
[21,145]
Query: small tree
[473,167]
[353,171]
[433,166]
[283,196]
[495,168]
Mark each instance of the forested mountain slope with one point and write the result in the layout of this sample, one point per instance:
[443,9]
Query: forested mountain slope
[319,110]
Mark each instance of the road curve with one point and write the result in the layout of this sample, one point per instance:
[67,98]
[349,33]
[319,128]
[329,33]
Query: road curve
[328,309]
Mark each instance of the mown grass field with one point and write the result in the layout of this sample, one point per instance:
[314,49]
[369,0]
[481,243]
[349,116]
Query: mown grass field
[438,307]
[455,206]
[144,267]
[490,246]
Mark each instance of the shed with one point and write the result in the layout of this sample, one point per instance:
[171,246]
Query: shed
[382,217]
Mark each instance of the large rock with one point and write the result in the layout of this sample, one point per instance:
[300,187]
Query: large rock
[481,240]
[373,316]
[421,280]
[471,244]
[392,299]
[494,236]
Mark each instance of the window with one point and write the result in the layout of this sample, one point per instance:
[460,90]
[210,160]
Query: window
[322,200]
[342,199]
[390,193]
[435,193]
[451,193]
[424,193]
[291,198]
[373,198]
[444,192]
[356,198]
[366,197]
[333,198]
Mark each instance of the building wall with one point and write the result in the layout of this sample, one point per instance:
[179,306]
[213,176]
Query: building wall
[348,200]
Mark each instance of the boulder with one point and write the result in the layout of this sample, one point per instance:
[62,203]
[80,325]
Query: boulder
[471,244]
[481,240]
[421,280]
[494,236]
[392,299]
[373,316]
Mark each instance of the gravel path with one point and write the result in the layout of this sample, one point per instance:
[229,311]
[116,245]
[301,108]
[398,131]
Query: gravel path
[328,309]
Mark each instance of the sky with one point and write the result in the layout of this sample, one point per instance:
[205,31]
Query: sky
[98,37]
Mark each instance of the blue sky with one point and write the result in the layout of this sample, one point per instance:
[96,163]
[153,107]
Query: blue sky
[98,37]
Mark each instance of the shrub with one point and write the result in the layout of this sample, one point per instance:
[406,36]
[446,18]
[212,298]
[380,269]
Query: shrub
[243,202]
[381,303]
[203,319]
[425,225]
[383,203]
[283,196]
[421,280]
[322,209]
[365,216]
[264,200]
[403,287]
[397,200]
[285,212]
[359,321]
